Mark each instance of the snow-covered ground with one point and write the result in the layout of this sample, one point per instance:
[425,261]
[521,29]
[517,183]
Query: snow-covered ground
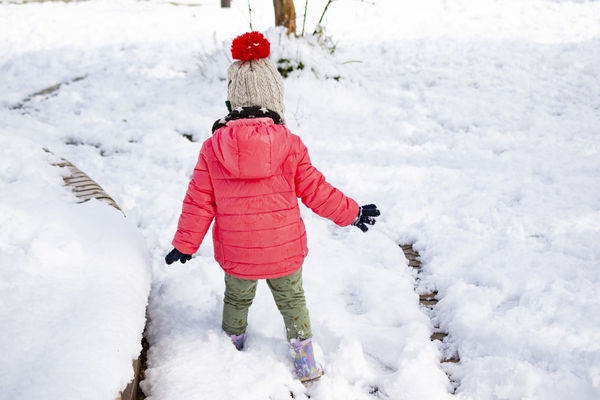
[74,282]
[473,125]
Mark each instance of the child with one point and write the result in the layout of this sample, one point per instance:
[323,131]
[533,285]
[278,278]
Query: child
[248,178]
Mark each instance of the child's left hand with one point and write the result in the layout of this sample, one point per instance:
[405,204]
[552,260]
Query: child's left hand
[366,215]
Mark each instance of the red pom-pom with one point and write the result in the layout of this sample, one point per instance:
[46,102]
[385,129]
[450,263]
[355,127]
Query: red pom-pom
[250,46]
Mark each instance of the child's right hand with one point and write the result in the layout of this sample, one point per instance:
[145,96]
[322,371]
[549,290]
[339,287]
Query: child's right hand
[176,255]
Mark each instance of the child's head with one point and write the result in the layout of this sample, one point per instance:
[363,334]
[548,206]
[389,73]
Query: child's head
[254,79]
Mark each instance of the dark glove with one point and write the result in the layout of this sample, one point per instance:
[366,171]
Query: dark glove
[366,215]
[176,255]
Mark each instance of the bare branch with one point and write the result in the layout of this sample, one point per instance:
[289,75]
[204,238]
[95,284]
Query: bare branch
[324,11]
[250,15]
[304,19]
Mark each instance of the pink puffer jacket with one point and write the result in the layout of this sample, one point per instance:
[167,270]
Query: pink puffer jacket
[249,177]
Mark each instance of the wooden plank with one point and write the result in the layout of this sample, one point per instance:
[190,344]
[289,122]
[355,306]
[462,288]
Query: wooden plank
[426,299]
[438,336]
[87,194]
[428,296]
[84,191]
[83,186]
[77,179]
[452,360]
[43,92]
[130,392]
[76,173]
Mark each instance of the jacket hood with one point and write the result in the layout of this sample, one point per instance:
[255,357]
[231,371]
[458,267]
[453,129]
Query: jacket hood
[252,148]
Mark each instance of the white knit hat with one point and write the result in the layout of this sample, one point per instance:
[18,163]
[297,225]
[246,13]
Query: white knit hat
[254,79]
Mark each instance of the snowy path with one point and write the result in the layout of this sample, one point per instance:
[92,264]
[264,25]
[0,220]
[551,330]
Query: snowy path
[474,127]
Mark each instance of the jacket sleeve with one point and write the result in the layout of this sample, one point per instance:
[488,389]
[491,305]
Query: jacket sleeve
[198,209]
[319,195]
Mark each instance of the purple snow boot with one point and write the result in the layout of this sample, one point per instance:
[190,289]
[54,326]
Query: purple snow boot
[304,361]
[238,341]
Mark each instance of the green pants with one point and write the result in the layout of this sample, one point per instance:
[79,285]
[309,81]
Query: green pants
[289,298]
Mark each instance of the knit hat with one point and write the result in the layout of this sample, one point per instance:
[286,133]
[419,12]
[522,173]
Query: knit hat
[254,79]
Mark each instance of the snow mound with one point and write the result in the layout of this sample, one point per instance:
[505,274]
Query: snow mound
[302,56]
[74,282]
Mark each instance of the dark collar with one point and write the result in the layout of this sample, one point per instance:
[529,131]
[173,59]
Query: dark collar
[247,112]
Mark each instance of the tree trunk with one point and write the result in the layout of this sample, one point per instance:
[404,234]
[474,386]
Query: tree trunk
[285,15]
[225,3]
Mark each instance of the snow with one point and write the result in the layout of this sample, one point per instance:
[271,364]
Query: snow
[472,125]
[74,280]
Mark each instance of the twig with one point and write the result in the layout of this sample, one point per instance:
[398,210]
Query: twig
[304,20]
[324,11]
[250,15]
